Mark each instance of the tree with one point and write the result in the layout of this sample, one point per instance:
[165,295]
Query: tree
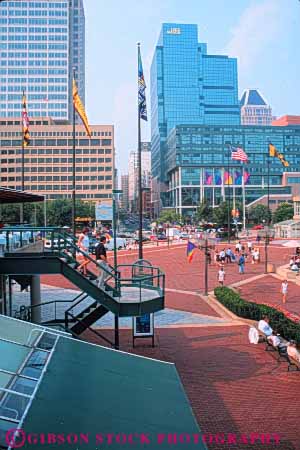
[204,212]
[220,214]
[59,212]
[169,215]
[259,214]
[284,211]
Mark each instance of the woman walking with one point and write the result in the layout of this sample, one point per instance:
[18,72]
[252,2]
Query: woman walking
[83,244]
[284,290]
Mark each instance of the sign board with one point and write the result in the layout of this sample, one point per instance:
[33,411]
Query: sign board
[143,325]
[174,31]
[104,212]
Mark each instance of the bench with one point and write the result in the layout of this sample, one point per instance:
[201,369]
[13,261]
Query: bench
[293,364]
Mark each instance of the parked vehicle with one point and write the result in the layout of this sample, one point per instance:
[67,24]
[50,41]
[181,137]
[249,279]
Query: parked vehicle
[48,243]
[121,244]
[184,236]
[258,227]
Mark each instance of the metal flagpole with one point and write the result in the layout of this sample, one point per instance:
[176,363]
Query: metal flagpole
[140,178]
[229,199]
[74,169]
[244,199]
[23,163]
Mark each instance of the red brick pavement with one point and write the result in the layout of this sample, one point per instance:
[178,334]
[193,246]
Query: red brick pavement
[233,387]
[186,276]
[190,303]
[267,289]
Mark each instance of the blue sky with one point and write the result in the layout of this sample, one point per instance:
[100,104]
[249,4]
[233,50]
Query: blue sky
[263,34]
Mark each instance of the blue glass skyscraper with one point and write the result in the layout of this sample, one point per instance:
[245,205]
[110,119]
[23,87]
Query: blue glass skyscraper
[188,86]
[40,43]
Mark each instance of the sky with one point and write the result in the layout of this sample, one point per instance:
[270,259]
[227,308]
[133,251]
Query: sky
[263,35]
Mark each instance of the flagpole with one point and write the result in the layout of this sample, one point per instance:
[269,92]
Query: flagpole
[229,199]
[140,177]
[74,168]
[23,165]
[268,186]
[244,199]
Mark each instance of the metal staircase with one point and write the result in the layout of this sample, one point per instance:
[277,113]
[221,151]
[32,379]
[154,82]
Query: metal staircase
[125,292]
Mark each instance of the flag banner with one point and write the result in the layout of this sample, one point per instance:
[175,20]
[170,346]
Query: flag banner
[238,178]
[274,153]
[246,177]
[141,88]
[227,178]
[239,154]
[25,123]
[190,251]
[208,177]
[218,177]
[78,105]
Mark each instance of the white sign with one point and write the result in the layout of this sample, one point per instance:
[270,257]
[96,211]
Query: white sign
[174,31]
[103,212]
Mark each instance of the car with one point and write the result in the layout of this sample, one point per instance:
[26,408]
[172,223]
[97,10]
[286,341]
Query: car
[161,237]
[120,242]
[184,236]
[258,227]
[48,243]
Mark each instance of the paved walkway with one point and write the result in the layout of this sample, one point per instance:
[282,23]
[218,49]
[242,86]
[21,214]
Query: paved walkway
[267,289]
[233,387]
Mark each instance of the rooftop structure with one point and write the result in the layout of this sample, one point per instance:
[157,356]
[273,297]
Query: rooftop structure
[285,121]
[255,110]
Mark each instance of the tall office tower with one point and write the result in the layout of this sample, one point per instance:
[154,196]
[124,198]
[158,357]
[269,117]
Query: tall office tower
[133,173]
[188,86]
[40,43]
[124,188]
[255,109]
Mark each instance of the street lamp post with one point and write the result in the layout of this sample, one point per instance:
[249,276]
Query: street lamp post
[115,194]
[206,246]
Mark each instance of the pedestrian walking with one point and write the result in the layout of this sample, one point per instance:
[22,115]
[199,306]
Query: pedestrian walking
[228,255]
[101,258]
[83,244]
[284,290]
[221,276]
[238,247]
[241,264]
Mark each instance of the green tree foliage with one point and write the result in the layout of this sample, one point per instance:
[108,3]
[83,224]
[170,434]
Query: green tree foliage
[259,213]
[169,216]
[285,211]
[220,214]
[204,212]
[58,212]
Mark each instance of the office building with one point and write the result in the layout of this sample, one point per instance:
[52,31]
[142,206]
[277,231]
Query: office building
[188,86]
[48,159]
[286,120]
[133,173]
[124,197]
[40,43]
[199,165]
[255,110]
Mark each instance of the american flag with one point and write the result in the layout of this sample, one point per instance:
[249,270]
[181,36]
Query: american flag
[238,154]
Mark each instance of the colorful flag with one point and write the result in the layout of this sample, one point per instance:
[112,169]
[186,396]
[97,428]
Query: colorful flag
[218,177]
[77,103]
[246,177]
[274,153]
[25,122]
[190,251]
[141,88]
[238,178]
[238,154]
[227,178]
[208,178]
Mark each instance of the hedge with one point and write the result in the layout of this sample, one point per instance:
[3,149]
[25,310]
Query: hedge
[254,311]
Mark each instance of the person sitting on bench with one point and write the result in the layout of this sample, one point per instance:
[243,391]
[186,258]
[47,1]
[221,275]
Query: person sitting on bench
[292,351]
[276,340]
[264,327]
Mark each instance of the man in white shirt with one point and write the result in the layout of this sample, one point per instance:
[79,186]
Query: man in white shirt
[264,327]
[292,351]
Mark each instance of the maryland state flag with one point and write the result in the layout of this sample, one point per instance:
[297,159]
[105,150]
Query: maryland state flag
[25,122]
[190,251]
[77,103]
[273,152]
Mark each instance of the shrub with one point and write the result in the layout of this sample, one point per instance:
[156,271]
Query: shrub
[254,311]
